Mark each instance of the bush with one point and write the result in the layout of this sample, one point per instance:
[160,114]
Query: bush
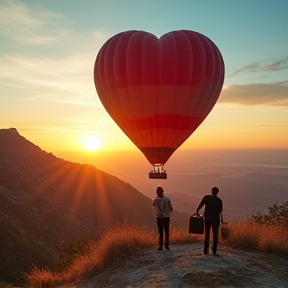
[278,215]
[249,235]
[115,244]
[40,278]
[126,240]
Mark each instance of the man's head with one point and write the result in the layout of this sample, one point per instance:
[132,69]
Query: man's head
[159,191]
[215,191]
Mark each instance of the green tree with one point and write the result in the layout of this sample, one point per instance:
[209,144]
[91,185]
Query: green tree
[278,215]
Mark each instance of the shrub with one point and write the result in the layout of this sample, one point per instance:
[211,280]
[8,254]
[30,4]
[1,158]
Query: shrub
[278,215]
[250,235]
[116,243]
[40,278]
[126,240]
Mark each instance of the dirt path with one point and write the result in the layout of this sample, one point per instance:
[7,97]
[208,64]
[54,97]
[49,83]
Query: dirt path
[186,266]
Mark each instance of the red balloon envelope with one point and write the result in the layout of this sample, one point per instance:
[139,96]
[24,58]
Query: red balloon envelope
[159,91]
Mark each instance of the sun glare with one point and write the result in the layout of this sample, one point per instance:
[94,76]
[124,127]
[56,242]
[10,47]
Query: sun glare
[91,143]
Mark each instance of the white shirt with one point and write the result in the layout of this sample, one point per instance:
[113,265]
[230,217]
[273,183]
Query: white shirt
[162,206]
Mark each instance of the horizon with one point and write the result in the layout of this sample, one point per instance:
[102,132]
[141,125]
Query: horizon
[249,180]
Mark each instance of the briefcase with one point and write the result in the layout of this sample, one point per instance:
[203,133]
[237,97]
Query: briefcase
[196,224]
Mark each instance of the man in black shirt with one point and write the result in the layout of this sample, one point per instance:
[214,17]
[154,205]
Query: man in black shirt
[213,213]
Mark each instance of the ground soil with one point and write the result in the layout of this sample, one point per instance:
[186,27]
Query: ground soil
[186,266]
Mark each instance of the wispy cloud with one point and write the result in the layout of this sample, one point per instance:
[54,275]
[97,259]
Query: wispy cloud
[275,94]
[72,78]
[258,67]
[34,25]
[62,67]
[47,78]
[24,24]
[277,65]
[103,125]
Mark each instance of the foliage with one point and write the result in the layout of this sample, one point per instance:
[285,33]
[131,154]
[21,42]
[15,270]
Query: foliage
[19,248]
[40,278]
[263,232]
[250,235]
[127,240]
[72,250]
[278,215]
[116,244]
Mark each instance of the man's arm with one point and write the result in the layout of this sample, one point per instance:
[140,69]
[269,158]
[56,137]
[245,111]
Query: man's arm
[200,206]
[221,214]
[171,208]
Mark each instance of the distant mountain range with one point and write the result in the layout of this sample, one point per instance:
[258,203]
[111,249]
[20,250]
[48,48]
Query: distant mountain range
[250,180]
[47,202]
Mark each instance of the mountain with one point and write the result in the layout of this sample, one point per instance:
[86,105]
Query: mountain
[47,202]
[182,202]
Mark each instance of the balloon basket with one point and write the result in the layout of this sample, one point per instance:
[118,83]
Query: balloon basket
[158,172]
[157,175]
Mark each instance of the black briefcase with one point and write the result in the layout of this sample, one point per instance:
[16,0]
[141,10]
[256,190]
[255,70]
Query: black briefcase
[196,224]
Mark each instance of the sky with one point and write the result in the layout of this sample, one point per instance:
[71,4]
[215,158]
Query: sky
[48,50]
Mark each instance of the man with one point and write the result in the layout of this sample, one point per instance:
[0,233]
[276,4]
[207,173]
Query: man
[162,207]
[213,213]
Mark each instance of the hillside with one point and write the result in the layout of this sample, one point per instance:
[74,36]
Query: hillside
[186,266]
[47,202]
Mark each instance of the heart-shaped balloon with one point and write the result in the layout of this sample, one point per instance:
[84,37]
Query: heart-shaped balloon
[159,91]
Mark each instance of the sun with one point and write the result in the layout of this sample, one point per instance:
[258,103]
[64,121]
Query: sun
[91,143]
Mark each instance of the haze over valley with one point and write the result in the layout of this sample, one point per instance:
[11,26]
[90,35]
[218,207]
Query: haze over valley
[250,181]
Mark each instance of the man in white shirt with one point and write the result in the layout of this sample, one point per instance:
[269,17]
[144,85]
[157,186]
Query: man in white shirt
[162,207]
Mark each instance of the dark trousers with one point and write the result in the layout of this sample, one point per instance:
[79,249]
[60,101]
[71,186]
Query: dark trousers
[215,229]
[163,224]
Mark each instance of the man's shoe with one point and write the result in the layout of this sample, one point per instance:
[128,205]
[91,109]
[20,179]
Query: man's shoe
[167,247]
[160,248]
[205,251]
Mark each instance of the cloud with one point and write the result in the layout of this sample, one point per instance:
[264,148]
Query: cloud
[49,72]
[34,25]
[25,25]
[275,94]
[71,77]
[257,67]
[277,65]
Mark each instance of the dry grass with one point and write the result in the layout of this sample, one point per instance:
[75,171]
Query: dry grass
[115,244]
[126,240]
[41,278]
[253,236]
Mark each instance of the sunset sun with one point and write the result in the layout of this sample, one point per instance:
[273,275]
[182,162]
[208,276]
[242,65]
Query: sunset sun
[91,143]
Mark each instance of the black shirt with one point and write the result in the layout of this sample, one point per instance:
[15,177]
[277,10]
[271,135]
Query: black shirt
[213,207]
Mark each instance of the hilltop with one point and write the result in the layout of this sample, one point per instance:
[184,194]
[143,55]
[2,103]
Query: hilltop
[47,203]
[186,266]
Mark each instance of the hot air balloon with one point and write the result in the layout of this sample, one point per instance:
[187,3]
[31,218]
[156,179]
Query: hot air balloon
[158,91]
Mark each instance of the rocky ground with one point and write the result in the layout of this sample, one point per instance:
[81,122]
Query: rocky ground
[186,266]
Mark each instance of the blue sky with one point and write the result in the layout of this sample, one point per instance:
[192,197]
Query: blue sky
[48,49]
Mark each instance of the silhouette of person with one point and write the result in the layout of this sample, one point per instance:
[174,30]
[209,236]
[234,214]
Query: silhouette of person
[213,216]
[162,207]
